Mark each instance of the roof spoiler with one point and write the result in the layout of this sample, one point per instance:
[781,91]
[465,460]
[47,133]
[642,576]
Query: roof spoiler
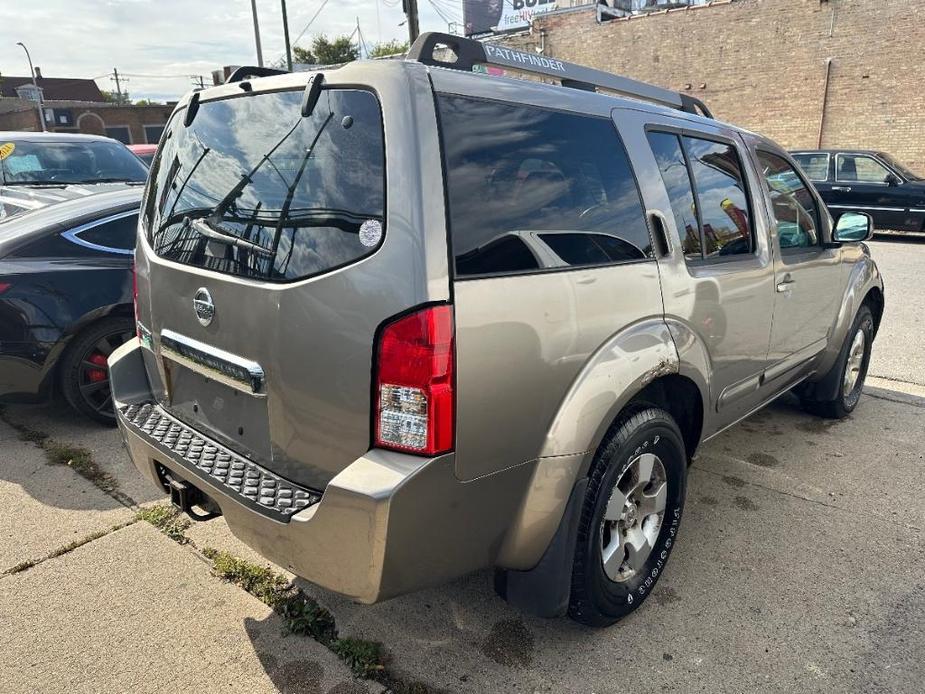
[246,71]
[471,55]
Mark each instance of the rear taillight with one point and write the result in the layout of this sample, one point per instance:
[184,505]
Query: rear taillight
[4,286]
[415,402]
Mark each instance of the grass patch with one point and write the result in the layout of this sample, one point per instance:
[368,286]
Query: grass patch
[260,581]
[363,657]
[168,520]
[303,616]
[79,459]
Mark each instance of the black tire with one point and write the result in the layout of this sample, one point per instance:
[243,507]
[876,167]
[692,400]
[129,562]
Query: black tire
[84,377]
[844,403]
[597,599]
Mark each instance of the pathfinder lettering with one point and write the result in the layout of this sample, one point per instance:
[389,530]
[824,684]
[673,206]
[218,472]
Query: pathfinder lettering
[518,57]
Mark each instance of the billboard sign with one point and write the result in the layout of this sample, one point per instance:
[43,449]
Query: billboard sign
[487,16]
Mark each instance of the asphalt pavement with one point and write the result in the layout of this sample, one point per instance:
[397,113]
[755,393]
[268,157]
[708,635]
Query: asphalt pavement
[800,568]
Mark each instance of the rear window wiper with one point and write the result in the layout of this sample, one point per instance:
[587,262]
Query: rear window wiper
[201,226]
[127,181]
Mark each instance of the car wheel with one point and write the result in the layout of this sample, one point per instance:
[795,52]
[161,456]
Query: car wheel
[851,366]
[84,371]
[630,517]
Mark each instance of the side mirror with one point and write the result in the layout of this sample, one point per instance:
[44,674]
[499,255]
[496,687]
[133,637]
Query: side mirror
[893,180]
[852,227]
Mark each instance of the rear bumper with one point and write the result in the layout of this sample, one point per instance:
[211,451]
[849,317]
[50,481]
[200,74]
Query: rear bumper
[387,524]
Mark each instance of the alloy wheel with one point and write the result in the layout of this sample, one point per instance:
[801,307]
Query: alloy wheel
[633,517]
[854,364]
[93,373]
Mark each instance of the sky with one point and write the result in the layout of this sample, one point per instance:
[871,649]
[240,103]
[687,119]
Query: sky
[158,44]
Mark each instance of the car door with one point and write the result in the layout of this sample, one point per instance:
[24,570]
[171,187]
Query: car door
[807,275]
[865,184]
[717,278]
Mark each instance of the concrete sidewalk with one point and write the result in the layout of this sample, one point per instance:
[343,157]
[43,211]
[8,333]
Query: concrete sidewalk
[130,610]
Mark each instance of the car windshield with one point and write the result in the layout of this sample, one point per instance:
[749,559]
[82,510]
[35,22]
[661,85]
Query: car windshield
[27,162]
[904,172]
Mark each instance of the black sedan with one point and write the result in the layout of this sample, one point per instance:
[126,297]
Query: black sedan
[66,299]
[867,181]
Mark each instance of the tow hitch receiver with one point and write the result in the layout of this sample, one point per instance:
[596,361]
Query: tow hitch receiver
[184,496]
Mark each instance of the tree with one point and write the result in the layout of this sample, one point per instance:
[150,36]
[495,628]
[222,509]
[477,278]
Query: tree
[113,98]
[340,50]
[385,48]
[146,102]
[302,55]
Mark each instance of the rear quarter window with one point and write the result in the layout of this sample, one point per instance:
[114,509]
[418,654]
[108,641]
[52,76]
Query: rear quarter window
[533,189]
[251,188]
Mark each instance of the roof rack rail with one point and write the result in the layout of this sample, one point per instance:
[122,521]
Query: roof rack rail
[471,54]
[245,71]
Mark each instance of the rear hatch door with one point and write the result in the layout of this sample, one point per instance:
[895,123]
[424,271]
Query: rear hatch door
[261,275]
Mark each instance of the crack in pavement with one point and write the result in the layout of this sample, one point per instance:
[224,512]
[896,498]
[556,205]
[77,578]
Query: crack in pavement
[64,549]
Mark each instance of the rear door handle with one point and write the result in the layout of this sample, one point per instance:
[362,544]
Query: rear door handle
[660,229]
[785,285]
[844,189]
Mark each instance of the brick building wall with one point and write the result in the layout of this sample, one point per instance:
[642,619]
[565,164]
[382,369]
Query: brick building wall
[761,64]
[124,122]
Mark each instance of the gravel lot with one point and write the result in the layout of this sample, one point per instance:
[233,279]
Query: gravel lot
[801,568]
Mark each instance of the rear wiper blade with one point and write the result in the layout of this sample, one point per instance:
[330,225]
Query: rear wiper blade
[127,181]
[207,230]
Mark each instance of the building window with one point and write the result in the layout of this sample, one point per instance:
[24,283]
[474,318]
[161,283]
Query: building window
[153,133]
[120,133]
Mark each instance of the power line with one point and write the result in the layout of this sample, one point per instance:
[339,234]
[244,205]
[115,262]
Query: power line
[311,21]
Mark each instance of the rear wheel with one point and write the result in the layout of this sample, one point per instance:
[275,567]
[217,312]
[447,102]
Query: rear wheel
[630,519]
[84,369]
[851,366]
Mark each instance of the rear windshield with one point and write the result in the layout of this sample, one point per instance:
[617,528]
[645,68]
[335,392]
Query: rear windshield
[251,188]
[28,163]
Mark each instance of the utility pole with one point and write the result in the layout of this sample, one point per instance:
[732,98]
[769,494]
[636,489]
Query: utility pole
[286,36]
[38,92]
[257,33]
[411,11]
[115,76]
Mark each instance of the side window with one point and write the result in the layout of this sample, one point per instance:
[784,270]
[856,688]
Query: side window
[722,201]
[705,183]
[859,169]
[114,236]
[793,205]
[673,166]
[815,165]
[516,172]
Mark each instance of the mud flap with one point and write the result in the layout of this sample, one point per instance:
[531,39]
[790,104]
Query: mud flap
[544,590]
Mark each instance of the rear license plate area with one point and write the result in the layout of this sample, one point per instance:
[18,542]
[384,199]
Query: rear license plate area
[230,416]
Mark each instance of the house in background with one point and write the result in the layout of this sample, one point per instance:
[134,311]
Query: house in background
[75,105]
